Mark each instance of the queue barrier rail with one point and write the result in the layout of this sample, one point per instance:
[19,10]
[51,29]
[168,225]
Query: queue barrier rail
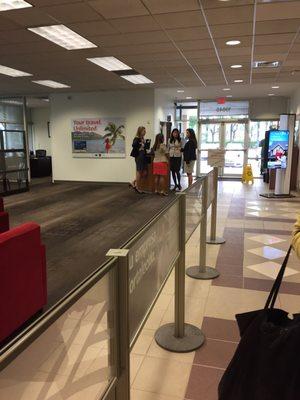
[100,320]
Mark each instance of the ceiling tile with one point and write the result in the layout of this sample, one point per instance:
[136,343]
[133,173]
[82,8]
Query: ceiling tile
[42,3]
[279,49]
[135,24]
[140,49]
[169,6]
[218,4]
[229,15]
[195,44]
[200,32]
[277,11]
[119,8]
[235,51]
[180,20]
[67,13]
[93,28]
[29,17]
[232,30]
[131,38]
[284,26]
[274,39]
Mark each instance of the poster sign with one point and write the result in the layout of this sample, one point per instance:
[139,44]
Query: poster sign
[98,137]
[150,260]
[216,158]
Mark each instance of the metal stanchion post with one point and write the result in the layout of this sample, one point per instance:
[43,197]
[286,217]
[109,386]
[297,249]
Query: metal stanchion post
[213,223]
[122,339]
[180,337]
[202,271]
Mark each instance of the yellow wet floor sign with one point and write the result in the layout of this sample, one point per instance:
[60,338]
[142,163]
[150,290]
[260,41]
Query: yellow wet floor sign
[247,174]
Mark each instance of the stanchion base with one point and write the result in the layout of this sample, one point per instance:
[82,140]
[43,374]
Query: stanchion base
[217,240]
[192,340]
[196,273]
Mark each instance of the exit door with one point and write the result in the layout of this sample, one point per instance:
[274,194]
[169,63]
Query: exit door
[229,136]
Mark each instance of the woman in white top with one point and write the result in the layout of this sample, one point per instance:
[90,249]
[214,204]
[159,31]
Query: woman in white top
[175,152]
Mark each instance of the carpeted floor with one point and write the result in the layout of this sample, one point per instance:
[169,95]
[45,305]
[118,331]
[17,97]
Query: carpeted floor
[80,222]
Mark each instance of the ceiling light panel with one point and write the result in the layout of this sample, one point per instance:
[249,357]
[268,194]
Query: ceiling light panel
[6,5]
[238,81]
[15,73]
[109,63]
[52,84]
[63,36]
[137,79]
[233,42]
[236,66]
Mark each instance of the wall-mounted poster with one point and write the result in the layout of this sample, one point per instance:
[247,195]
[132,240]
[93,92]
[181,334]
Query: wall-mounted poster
[98,137]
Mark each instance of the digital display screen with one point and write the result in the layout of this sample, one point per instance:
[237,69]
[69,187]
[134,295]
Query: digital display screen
[278,145]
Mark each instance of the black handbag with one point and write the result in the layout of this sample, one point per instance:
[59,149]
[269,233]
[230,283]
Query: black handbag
[266,364]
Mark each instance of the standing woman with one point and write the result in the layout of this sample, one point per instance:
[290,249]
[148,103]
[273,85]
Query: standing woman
[175,153]
[139,153]
[160,163]
[189,154]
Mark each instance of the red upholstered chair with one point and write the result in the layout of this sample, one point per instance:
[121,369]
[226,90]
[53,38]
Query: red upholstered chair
[23,285]
[4,218]
[4,222]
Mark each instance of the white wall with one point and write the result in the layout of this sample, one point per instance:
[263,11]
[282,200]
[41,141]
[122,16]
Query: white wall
[268,108]
[295,103]
[40,118]
[163,106]
[136,106]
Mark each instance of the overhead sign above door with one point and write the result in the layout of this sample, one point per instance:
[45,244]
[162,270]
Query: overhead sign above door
[229,108]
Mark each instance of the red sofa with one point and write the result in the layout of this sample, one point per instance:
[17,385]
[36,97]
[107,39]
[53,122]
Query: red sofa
[23,285]
[4,218]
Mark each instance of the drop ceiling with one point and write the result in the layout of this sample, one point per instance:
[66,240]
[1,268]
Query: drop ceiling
[175,43]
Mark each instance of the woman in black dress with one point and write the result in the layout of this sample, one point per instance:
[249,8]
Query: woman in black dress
[175,147]
[189,154]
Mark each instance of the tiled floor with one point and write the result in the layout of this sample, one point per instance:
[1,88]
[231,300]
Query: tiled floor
[257,233]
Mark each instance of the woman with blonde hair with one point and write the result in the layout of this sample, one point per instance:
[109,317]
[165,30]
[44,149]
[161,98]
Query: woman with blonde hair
[139,154]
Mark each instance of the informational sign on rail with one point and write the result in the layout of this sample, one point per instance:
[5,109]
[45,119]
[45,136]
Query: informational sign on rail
[150,261]
[216,158]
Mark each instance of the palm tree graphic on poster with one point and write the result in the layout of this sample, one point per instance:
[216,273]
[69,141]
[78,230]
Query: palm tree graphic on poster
[114,132]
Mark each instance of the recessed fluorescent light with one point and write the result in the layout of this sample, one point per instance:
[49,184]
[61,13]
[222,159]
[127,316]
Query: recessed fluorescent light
[63,36]
[229,95]
[52,84]
[275,87]
[109,63]
[136,79]
[180,91]
[13,4]
[189,97]
[238,80]
[271,94]
[233,42]
[226,89]
[266,64]
[15,73]
[236,66]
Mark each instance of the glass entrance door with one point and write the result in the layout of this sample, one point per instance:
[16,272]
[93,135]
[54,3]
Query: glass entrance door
[210,138]
[231,137]
[235,137]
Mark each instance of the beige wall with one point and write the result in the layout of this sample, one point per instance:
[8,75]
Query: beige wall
[136,106]
[40,118]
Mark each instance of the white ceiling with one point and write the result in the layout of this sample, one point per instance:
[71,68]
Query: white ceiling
[175,43]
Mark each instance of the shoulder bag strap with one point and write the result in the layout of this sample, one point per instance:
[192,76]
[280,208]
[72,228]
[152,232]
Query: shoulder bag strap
[276,286]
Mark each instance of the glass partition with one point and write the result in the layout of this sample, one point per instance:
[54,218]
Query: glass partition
[13,162]
[193,207]
[151,259]
[74,355]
